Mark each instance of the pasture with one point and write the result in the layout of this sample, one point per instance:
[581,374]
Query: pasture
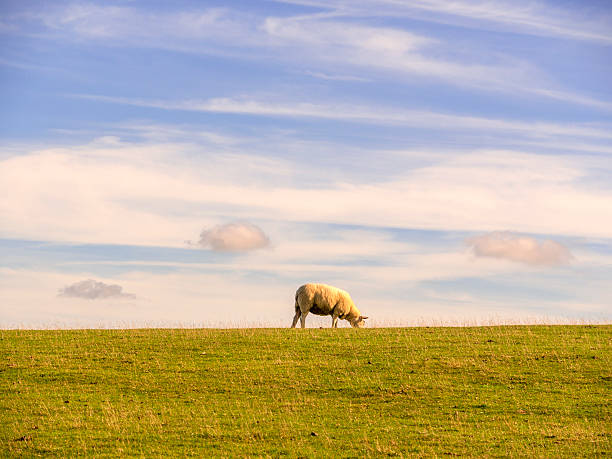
[485,391]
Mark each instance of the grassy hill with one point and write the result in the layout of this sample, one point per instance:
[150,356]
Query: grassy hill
[528,390]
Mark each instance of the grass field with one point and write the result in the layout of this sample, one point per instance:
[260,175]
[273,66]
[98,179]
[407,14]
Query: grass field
[494,391]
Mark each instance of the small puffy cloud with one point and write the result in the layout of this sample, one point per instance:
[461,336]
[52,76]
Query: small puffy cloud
[93,290]
[523,249]
[234,237]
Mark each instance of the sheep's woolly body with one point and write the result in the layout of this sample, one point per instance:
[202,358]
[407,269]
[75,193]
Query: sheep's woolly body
[325,300]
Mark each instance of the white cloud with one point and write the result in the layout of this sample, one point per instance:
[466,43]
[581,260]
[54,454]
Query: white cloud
[538,18]
[329,34]
[234,237]
[523,249]
[93,290]
[337,43]
[333,77]
[567,96]
[87,193]
[363,114]
[142,26]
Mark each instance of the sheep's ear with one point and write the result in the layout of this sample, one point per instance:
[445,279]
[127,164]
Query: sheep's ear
[364,317]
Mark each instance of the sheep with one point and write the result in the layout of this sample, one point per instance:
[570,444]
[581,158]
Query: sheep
[325,300]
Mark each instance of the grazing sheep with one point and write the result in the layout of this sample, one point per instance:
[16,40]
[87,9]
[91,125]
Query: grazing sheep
[325,300]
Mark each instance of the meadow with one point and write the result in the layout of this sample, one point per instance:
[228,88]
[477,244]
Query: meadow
[537,391]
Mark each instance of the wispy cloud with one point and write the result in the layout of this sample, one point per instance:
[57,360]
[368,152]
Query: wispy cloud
[522,249]
[333,77]
[385,49]
[537,18]
[93,290]
[332,46]
[137,25]
[363,114]
[388,50]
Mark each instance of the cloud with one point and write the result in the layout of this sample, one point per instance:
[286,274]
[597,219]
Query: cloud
[96,188]
[93,290]
[343,45]
[340,46]
[325,76]
[382,115]
[234,237]
[522,249]
[138,26]
[341,41]
[537,18]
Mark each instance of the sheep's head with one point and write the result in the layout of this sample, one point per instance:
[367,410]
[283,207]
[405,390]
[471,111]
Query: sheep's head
[359,323]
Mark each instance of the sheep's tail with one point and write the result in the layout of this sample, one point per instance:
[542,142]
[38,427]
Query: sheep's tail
[298,311]
[300,292]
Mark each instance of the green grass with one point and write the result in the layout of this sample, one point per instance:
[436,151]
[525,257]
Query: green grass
[537,391]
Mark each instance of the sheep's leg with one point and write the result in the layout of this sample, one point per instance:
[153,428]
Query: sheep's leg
[296,317]
[303,319]
[335,315]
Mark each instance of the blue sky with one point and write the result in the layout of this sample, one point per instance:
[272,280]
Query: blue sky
[445,162]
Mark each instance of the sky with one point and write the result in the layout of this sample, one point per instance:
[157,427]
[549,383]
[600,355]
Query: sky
[192,163]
